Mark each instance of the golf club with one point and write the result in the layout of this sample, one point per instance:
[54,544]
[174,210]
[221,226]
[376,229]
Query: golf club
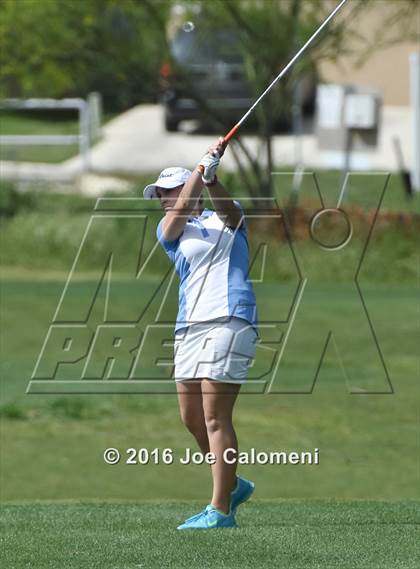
[233,131]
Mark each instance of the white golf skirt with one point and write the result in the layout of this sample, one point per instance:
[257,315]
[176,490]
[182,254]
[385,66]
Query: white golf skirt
[221,349]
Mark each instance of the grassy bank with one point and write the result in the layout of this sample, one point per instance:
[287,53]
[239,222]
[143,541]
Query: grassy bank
[42,230]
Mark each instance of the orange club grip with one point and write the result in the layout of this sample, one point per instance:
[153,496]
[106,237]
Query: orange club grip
[226,140]
[230,134]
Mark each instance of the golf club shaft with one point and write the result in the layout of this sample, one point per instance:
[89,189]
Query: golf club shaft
[233,131]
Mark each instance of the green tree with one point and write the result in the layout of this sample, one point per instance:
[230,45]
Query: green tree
[71,47]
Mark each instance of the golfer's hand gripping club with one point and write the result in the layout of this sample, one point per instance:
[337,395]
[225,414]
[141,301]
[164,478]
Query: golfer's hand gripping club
[210,161]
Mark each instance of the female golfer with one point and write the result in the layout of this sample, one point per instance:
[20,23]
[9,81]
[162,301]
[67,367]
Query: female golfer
[216,327]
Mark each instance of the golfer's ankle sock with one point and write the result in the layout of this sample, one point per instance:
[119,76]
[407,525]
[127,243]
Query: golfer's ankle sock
[218,510]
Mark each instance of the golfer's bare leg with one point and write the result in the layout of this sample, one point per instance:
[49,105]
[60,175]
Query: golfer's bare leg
[192,413]
[218,401]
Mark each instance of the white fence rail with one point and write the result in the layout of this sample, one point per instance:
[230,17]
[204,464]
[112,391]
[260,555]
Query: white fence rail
[85,119]
[35,139]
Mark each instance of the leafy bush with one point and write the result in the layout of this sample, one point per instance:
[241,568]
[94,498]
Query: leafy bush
[12,201]
[13,411]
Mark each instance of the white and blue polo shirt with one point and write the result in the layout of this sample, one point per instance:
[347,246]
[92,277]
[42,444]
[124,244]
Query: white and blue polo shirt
[211,260]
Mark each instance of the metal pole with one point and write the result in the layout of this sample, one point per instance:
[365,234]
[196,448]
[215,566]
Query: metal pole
[84,133]
[415,105]
[297,117]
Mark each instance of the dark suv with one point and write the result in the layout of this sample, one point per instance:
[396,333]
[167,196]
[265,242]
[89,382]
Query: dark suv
[207,72]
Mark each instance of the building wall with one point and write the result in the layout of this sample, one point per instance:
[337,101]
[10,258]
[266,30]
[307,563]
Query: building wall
[387,69]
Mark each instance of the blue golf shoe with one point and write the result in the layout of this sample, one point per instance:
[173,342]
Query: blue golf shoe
[242,493]
[210,518]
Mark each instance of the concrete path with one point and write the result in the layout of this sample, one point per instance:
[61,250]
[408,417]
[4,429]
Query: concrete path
[136,142]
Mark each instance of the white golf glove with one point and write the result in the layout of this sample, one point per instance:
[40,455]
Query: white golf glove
[210,162]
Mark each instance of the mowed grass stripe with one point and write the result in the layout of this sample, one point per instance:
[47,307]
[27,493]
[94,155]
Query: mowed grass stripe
[292,534]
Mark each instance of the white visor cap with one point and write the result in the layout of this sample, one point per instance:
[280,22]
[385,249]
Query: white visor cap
[168,178]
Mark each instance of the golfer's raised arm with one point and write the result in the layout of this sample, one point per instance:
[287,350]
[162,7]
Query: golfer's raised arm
[175,219]
[205,173]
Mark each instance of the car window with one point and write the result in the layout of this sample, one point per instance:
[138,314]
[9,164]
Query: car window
[202,47]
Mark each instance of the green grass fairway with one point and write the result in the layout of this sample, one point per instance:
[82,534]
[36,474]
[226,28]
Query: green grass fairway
[286,534]
[52,445]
